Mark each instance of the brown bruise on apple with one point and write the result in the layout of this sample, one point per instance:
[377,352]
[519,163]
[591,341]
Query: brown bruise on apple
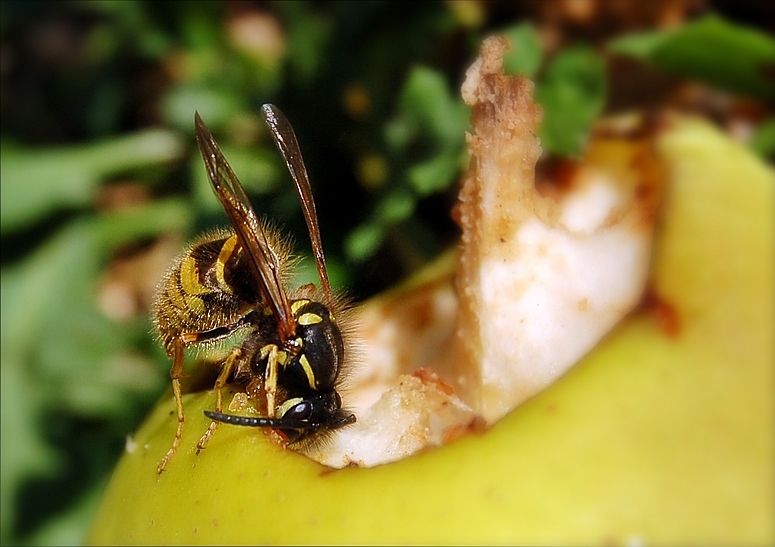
[544,271]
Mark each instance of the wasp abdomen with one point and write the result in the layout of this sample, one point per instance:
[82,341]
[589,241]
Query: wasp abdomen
[207,289]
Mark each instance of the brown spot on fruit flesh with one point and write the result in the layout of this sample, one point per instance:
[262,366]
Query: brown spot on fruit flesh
[429,377]
[663,312]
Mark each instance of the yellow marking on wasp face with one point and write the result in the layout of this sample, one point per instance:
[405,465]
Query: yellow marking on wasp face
[287,405]
[298,304]
[282,356]
[223,257]
[189,277]
[309,318]
[267,311]
[307,370]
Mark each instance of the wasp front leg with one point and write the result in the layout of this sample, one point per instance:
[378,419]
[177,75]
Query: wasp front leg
[271,353]
[233,358]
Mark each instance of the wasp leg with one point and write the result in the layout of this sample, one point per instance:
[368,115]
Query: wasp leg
[176,372]
[234,356]
[270,351]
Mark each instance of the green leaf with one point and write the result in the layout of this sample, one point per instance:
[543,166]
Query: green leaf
[526,52]
[215,105]
[763,140]
[25,453]
[398,132]
[427,101]
[306,271]
[309,35]
[259,171]
[68,527]
[641,45]
[32,294]
[34,288]
[143,222]
[435,174]
[711,50]
[37,182]
[60,353]
[572,94]
[364,241]
[395,207]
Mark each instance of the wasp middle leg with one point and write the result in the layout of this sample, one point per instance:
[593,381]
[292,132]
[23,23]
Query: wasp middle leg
[234,357]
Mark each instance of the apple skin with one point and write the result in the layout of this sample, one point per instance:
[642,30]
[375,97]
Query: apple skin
[662,434]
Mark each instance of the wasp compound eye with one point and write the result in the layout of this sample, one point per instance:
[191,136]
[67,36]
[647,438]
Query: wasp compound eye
[299,411]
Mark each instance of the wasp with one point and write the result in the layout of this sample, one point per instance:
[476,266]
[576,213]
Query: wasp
[230,287]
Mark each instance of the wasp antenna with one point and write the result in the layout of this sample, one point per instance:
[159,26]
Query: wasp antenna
[250,421]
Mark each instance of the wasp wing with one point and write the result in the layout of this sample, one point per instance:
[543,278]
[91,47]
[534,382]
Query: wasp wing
[285,140]
[263,261]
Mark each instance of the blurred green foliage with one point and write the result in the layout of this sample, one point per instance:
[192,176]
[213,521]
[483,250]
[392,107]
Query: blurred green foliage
[70,177]
[98,98]
[712,50]
[571,88]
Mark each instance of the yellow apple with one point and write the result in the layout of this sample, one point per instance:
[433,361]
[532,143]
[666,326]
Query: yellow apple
[662,434]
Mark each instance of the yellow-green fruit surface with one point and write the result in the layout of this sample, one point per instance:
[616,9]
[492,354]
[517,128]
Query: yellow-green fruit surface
[653,438]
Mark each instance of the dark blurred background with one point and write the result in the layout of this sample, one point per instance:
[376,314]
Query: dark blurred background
[102,183]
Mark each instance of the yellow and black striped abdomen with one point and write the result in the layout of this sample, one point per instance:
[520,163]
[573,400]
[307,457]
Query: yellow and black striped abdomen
[207,288]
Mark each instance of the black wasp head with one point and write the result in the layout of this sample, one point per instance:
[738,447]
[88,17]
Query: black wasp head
[301,418]
[319,411]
